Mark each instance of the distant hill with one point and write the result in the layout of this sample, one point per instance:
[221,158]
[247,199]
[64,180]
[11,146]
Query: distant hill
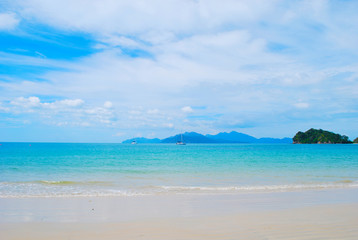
[189,137]
[319,136]
[232,137]
[236,137]
[142,140]
[223,137]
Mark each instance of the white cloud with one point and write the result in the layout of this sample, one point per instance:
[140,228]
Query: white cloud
[8,21]
[137,17]
[135,112]
[72,103]
[122,41]
[33,102]
[4,109]
[168,125]
[62,112]
[63,104]
[29,102]
[187,109]
[301,105]
[153,111]
[108,104]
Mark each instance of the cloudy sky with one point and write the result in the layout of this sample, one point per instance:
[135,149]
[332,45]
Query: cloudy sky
[107,70]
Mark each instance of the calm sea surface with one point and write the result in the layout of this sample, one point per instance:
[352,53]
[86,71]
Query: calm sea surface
[67,169]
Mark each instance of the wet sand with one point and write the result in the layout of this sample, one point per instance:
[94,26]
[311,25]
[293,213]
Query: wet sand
[328,214]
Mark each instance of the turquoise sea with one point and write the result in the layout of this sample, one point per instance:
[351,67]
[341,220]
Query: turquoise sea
[74,169]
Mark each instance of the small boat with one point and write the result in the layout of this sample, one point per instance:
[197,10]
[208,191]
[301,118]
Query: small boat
[133,142]
[181,142]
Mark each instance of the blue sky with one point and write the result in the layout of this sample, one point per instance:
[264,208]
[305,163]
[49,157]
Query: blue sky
[104,71]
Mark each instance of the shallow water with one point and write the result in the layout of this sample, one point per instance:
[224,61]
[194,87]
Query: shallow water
[66,169]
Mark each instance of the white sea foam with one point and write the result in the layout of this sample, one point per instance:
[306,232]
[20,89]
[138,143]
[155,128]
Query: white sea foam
[286,187]
[66,189]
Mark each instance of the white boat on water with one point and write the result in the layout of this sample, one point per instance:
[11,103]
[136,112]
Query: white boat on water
[181,142]
[133,142]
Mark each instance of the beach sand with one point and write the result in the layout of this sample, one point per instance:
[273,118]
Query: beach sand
[328,214]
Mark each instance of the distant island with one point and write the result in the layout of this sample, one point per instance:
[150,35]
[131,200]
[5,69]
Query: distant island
[319,136]
[223,137]
[355,140]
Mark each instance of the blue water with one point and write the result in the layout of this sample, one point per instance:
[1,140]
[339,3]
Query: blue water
[67,169]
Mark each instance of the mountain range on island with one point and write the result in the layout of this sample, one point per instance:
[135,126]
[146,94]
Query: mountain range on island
[223,137]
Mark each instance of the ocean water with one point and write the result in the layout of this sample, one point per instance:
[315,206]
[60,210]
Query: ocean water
[67,169]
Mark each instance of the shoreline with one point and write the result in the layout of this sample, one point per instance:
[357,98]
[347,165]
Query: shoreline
[122,208]
[328,214]
[167,190]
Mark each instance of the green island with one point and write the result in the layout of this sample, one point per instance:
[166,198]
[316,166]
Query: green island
[355,140]
[319,136]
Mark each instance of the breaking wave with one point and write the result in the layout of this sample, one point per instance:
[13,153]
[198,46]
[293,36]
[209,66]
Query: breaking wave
[107,189]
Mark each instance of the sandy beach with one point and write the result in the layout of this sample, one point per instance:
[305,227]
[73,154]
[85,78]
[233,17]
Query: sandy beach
[326,214]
